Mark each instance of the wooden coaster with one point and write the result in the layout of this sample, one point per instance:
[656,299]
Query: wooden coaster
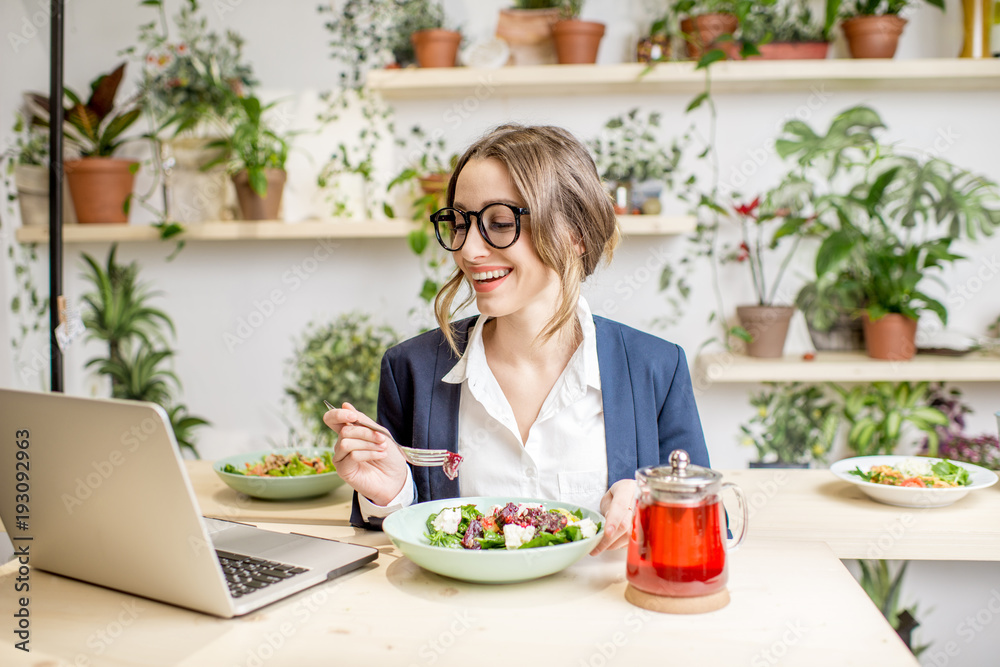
[696,605]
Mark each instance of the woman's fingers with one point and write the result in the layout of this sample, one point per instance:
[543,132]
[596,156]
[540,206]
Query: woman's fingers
[617,505]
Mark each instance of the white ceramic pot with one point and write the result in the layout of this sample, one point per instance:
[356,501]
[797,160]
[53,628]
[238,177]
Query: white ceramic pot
[194,195]
[32,184]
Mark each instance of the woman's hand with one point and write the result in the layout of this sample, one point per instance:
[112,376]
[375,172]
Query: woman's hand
[617,506]
[365,459]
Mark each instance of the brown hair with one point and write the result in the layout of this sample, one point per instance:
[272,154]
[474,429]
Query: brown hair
[556,177]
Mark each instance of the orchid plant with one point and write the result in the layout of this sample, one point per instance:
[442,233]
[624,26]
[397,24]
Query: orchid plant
[754,220]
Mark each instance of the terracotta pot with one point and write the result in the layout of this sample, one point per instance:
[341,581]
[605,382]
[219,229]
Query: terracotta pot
[32,182]
[528,32]
[577,41]
[792,51]
[437,185]
[768,325]
[654,49]
[892,337]
[436,47]
[252,205]
[702,31]
[100,187]
[195,195]
[873,36]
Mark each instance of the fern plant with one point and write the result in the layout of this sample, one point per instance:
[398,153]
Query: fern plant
[118,313]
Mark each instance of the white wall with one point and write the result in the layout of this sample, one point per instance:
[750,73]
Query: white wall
[210,287]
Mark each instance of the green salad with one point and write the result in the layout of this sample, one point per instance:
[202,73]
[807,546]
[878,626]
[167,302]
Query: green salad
[510,526]
[279,465]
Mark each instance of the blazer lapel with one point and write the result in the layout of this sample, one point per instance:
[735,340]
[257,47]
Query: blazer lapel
[619,406]
[442,425]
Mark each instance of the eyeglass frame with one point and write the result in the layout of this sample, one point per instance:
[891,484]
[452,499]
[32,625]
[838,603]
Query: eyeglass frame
[518,211]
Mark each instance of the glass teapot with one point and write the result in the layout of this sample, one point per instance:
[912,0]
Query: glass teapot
[678,543]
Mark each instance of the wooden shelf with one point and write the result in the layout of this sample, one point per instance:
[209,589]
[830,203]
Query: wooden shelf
[938,74]
[632,225]
[845,367]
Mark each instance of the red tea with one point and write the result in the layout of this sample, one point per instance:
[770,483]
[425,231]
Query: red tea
[676,550]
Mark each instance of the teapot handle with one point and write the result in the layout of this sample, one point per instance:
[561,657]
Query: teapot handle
[744,515]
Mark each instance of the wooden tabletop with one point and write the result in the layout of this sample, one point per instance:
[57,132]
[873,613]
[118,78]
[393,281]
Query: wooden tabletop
[796,505]
[793,603]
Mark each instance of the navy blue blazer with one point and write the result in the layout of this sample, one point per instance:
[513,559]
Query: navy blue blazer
[649,406]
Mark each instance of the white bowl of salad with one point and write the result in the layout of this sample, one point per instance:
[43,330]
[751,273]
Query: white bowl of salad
[913,481]
[280,474]
[494,539]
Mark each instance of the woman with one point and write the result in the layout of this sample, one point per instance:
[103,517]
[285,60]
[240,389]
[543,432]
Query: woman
[541,398]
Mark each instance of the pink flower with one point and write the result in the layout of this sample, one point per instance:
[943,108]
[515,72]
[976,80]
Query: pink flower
[182,49]
[744,252]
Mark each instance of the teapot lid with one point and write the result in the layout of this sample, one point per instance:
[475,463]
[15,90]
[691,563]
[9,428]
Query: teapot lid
[680,475]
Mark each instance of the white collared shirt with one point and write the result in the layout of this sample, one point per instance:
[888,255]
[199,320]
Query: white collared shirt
[565,457]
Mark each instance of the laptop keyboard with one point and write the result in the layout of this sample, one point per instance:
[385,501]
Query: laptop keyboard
[246,575]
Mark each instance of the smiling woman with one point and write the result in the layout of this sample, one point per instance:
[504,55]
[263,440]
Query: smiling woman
[541,398]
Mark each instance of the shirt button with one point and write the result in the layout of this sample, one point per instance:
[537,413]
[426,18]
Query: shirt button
[530,473]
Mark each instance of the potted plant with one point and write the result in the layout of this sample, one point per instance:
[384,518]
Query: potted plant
[794,424]
[633,161]
[576,40]
[339,361]
[953,442]
[255,154]
[189,85]
[658,45]
[101,185]
[872,27]
[433,44]
[830,308]
[886,217]
[710,23]
[27,163]
[878,415]
[527,29]
[884,588]
[786,31]
[764,324]
[119,314]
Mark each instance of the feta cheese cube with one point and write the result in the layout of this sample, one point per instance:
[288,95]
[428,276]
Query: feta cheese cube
[587,527]
[515,535]
[448,520]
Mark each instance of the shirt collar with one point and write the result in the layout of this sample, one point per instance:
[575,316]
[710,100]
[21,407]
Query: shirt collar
[583,364]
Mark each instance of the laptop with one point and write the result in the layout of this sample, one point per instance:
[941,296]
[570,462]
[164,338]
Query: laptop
[106,500]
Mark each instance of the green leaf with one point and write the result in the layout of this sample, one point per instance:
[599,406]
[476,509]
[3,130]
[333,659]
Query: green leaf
[696,102]
[418,239]
[833,252]
[258,180]
[713,56]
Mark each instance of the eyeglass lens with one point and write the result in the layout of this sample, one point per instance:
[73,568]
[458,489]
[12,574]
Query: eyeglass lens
[499,224]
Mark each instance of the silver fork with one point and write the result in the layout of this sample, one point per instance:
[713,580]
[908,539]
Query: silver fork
[427,458]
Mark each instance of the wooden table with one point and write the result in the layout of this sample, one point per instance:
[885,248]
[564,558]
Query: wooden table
[796,505]
[793,603]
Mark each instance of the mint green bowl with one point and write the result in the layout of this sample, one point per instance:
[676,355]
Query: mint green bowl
[277,488]
[406,529]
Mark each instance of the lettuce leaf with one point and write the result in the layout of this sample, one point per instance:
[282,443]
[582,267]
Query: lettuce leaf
[439,538]
[492,540]
[951,473]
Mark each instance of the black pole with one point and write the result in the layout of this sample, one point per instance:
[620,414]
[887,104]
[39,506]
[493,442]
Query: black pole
[55,190]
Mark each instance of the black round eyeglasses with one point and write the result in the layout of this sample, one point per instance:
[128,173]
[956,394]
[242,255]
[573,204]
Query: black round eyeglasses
[499,224]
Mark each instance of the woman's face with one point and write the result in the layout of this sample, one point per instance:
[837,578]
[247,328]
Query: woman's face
[512,281]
